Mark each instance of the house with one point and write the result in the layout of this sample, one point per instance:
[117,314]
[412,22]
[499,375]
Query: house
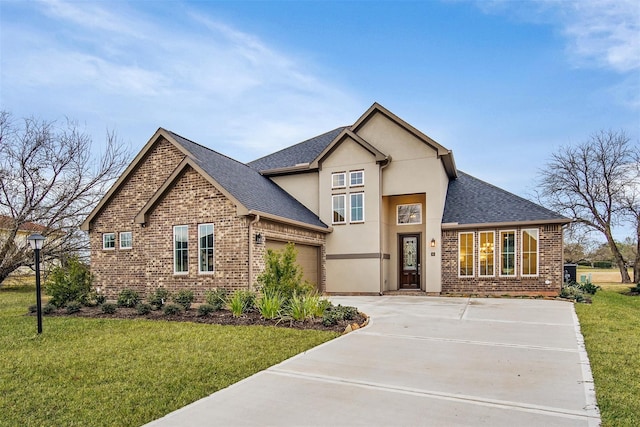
[13,239]
[375,207]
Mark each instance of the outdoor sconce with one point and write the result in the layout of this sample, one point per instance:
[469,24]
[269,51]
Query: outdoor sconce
[259,238]
[433,243]
[35,241]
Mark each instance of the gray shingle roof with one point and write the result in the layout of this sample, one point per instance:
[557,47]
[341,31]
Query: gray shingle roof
[472,201]
[303,152]
[253,190]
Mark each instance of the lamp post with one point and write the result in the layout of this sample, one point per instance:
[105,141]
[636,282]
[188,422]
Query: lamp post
[35,241]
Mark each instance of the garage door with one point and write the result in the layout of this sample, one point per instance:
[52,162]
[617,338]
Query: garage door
[308,258]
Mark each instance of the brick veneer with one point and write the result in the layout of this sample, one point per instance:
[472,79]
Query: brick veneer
[192,200]
[550,266]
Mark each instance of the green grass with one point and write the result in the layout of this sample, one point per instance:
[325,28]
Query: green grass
[94,372]
[611,329]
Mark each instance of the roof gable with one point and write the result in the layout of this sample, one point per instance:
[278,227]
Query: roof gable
[471,201]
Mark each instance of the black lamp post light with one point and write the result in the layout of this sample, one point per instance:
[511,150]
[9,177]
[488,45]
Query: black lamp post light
[35,241]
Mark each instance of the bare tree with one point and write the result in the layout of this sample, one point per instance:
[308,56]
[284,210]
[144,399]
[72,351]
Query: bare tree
[48,177]
[590,182]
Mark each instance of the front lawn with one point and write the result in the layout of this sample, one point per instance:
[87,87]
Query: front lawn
[108,372]
[611,329]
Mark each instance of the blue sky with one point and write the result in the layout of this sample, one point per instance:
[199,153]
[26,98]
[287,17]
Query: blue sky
[501,83]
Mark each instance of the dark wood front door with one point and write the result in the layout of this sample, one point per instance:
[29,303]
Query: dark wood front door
[409,256]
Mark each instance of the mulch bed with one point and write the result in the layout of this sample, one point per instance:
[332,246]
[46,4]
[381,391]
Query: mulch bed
[221,317]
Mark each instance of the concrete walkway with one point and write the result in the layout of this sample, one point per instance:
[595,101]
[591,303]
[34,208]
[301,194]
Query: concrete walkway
[423,361]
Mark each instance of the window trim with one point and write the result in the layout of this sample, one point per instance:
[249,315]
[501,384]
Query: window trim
[213,248]
[333,209]
[473,254]
[522,231]
[130,233]
[515,253]
[351,173]
[104,247]
[344,180]
[351,220]
[408,223]
[175,264]
[493,264]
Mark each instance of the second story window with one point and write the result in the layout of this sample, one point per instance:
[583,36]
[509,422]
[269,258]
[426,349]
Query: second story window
[338,180]
[356,178]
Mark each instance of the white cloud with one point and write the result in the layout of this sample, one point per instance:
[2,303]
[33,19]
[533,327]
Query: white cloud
[134,71]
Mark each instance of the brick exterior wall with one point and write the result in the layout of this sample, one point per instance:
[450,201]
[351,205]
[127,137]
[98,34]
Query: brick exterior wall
[192,200]
[550,265]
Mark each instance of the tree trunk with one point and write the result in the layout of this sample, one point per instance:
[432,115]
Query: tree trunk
[624,273]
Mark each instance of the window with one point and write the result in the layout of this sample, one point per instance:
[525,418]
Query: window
[339,209]
[338,180]
[109,241]
[486,253]
[205,248]
[357,207]
[529,252]
[507,253]
[181,249]
[126,240]
[465,254]
[409,214]
[356,178]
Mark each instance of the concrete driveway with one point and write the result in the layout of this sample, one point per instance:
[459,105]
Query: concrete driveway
[423,361]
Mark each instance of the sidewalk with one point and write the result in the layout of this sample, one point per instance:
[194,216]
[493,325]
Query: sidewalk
[422,361]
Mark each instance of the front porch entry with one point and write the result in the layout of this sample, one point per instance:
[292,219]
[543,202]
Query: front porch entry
[409,268]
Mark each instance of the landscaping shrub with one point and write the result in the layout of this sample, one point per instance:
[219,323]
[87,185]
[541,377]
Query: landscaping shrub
[108,308]
[73,307]
[270,304]
[589,288]
[241,302]
[184,298]
[302,306]
[217,298]
[282,273]
[49,308]
[33,308]
[602,264]
[172,309]
[205,310]
[159,298]
[128,298]
[70,282]
[94,298]
[636,288]
[143,309]
[335,314]
[572,291]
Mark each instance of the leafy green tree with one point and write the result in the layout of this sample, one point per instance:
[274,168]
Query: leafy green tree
[282,273]
[70,282]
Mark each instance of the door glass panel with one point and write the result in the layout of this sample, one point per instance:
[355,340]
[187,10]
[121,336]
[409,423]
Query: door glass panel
[410,253]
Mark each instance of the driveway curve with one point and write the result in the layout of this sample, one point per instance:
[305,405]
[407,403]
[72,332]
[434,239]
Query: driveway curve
[426,361]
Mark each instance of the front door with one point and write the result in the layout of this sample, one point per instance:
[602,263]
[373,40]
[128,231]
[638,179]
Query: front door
[409,256]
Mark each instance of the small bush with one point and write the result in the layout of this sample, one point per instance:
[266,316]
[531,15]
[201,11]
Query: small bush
[335,314]
[303,306]
[184,298]
[128,298]
[636,288]
[70,282]
[217,298]
[589,288]
[108,308]
[143,309]
[270,304]
[33,308]
[205,310]
[172,309]
[49,308]
[73,307]
[159,298]
[572,291]
[241,302]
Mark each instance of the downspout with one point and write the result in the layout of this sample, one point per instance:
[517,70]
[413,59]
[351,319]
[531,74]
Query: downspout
[387,161]
[255,220]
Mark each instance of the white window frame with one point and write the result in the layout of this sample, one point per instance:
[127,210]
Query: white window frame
[408,223]
[212,248]
[537,233]
[515,253]
[333,209]
[493,265]
[351,220]
[355,173]
[336,175]
[175,259]
[130,239]
[104,241]
[473,254]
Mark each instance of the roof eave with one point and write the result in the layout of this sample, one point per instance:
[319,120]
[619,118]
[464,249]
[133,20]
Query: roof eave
[283,220]
[458,226]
